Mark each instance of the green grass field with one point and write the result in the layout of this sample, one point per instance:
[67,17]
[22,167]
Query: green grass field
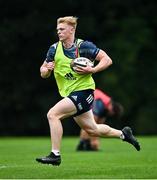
[116,160]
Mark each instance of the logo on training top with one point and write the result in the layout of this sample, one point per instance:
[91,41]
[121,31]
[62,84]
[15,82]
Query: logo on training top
[69,76]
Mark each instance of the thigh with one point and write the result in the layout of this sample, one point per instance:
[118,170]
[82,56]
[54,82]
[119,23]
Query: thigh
[86,121]
[64,108]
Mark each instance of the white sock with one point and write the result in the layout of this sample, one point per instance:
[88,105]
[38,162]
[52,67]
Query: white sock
[56,152]
[122,136]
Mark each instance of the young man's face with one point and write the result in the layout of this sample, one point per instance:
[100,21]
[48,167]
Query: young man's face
[64,31]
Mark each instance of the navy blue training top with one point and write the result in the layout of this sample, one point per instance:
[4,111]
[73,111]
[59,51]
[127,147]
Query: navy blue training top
[86,49]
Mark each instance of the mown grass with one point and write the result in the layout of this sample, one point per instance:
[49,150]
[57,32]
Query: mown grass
[116,160]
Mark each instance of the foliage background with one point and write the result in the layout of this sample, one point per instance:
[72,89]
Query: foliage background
[126,30]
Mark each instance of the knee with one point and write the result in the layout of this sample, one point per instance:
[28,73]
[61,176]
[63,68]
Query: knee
[51,115]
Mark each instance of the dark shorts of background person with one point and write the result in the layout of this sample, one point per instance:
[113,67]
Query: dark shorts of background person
[83,100]
[99,108]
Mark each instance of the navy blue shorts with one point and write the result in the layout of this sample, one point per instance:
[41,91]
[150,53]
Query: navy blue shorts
[83,100]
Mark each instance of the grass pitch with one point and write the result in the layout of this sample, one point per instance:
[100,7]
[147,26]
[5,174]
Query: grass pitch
[116,160]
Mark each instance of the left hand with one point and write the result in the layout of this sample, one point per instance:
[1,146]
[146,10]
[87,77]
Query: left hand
[85,70]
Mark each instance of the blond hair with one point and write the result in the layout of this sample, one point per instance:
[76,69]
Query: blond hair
[70,20]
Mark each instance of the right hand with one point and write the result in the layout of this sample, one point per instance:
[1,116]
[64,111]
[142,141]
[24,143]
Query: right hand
[46,69]
[50,65]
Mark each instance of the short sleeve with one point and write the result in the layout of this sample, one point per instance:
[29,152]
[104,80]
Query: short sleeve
[51,53]
[88,49]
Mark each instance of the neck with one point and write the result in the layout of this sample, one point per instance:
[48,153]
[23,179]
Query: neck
[68,43]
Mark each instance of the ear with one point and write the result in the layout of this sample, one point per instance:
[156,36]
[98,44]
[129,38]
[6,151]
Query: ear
[72,30]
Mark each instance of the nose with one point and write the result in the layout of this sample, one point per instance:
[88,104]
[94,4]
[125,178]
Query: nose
[58,31]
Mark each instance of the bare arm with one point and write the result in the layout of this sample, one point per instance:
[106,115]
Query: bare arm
[104,62]
[46,69]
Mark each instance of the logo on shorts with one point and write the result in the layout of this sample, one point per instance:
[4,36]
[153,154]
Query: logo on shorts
[80,106]
[89,99]
[74,97]
[69,76]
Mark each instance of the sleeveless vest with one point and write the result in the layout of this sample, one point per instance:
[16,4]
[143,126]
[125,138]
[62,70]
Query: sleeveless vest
[67,80]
